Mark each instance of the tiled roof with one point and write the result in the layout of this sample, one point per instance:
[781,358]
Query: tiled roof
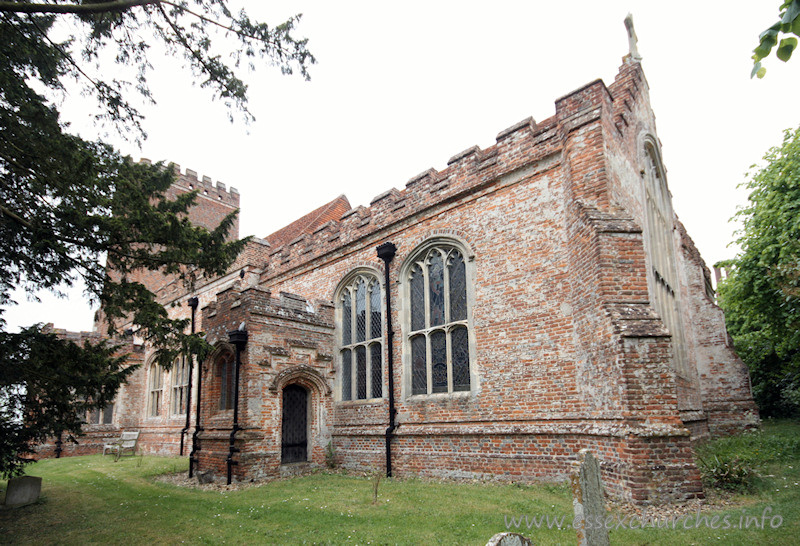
[311,221]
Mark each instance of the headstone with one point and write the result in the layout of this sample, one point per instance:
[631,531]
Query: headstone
[509,539]
[588,501]
[23,490]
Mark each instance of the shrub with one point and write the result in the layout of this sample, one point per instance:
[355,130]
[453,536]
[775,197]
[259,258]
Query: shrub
[731,474]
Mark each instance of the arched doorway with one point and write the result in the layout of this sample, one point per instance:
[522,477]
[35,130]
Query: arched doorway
[294,430]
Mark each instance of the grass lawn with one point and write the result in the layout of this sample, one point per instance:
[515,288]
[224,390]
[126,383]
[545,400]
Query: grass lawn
[95,500]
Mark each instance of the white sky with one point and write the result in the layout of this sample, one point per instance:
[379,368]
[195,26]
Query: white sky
[401,87]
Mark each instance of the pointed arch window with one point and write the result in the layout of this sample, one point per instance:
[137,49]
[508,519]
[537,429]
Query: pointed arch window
[360,340]
[180,386]
[226,372]
[155,390]
[438,321]
[663,273]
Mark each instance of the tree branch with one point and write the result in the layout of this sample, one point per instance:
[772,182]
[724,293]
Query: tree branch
[220,25]
[18,219]
[117,5]
[194,53]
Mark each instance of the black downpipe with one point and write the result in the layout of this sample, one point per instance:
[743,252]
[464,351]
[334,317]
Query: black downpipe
[193,304]
[193,459]
[386,252]
[238,339]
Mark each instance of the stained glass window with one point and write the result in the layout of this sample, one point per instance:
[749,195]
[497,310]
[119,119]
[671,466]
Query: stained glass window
[347,374]
[458,287]
[361,375]
[347,318]
[361,311]
[419,367]
[439,321]
[417,298]
[377,370]
[439,361]
[459,349]
[436,284]
[360,363]
[375,309]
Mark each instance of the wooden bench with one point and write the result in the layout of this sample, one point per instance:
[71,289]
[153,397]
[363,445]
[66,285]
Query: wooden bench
[126,442]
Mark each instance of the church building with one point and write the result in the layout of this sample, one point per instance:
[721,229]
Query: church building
[486,321]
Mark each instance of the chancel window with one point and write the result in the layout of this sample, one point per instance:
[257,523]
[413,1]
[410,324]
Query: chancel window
[156,390]
[663,274]
[438,329]
[180,385]
[361,336]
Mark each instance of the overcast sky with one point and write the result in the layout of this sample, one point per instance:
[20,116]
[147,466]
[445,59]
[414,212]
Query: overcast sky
[401,87]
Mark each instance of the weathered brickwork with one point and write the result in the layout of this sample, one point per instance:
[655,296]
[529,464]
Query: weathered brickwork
[564,347]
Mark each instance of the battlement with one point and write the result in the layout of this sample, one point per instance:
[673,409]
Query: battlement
[205,187]
[521,150]
[258,301]
[468,171]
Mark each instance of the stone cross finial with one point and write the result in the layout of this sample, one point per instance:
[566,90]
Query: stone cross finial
[632,39]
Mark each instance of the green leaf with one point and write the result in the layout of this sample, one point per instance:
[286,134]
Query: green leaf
[784,51]
[756,68]
[761,72]
[791,13]
[771,31]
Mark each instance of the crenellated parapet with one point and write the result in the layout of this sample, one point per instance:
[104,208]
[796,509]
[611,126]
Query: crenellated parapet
[205,187]
[521,150]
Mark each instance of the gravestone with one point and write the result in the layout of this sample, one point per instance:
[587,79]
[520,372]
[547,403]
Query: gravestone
[23,490]
[588,501]
[509,539]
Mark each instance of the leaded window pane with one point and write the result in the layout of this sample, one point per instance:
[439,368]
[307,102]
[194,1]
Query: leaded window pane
[361,311]
[419,367]
[375,310]
[439,361]
[347,370]
[377,370]
[108,414]
[155,390]
[459,350]
[347,318]
[436,293]
[417,299]
[362,329]
[458,287]
[361,372]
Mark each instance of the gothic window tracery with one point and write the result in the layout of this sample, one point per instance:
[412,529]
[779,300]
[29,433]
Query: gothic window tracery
[360,338]
[662,273]
[438,325]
